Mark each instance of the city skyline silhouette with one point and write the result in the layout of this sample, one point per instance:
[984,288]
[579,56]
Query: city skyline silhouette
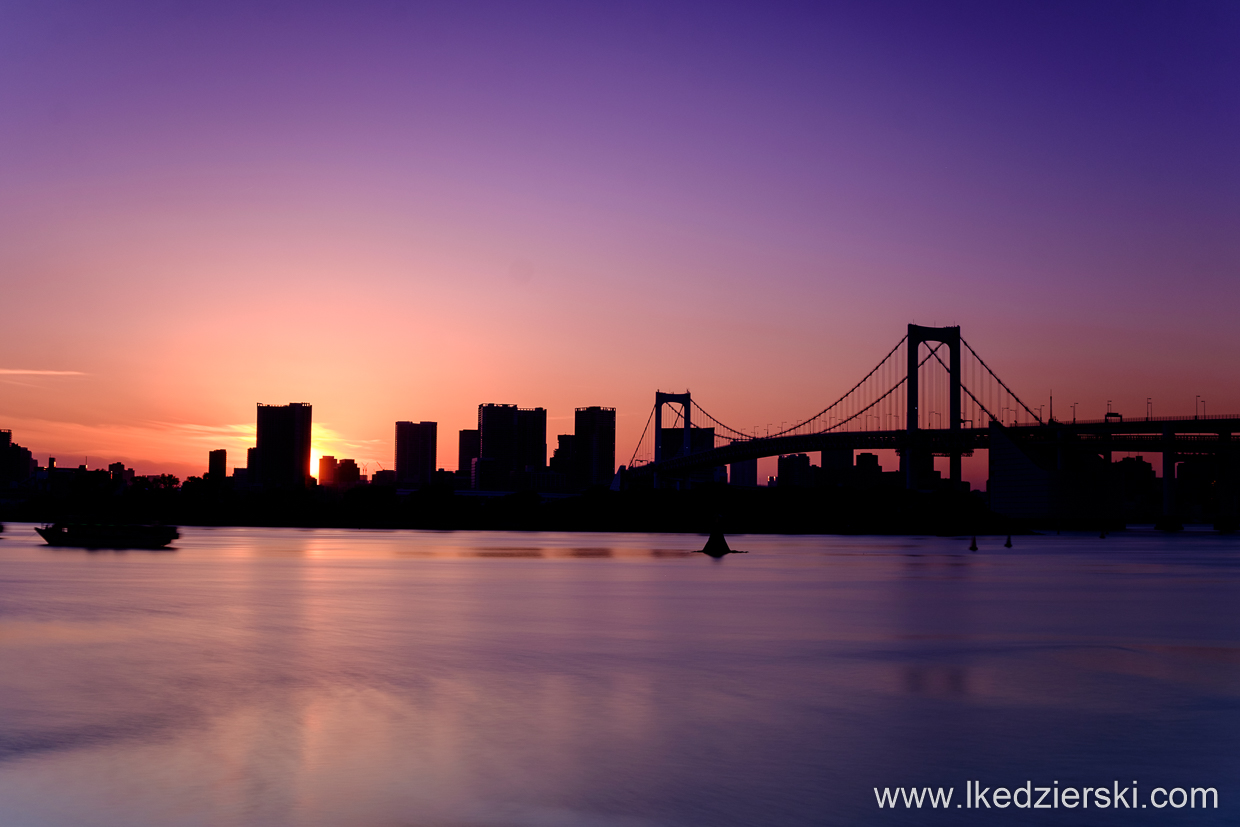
[932,402]
[548,413]
[397,215]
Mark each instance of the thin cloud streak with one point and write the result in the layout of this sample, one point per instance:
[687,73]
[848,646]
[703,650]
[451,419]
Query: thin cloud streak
[23,372]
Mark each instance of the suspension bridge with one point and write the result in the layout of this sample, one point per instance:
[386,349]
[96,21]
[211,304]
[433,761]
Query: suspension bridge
[932,395]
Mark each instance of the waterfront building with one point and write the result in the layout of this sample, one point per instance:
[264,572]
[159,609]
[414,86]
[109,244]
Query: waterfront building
[700,439]
[217,465]
[467,451]
[744,473]
[415,453]
[531,439]
[327,470]
[17,464]
[510,440]
[283,445]
[347,474]
[794,471]
[594,446]
[561,460]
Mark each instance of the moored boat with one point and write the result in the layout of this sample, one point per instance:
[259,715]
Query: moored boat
[102,535]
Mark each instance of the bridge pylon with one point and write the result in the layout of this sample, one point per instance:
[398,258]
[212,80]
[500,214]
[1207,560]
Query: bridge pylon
[686,404]
[917,335]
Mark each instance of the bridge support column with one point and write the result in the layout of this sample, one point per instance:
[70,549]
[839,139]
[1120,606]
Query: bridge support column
[954,409]
[1170,520]
[907,463]
[658,437]
[1227,518]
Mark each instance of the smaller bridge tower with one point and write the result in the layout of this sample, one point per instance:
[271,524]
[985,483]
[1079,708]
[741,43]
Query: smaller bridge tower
[686,404]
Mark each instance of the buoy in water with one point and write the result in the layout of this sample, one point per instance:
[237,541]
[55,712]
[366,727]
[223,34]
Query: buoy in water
[1008,544]
[973,545]
[717,546]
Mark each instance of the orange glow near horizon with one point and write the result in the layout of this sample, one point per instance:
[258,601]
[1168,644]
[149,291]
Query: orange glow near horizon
[538,216]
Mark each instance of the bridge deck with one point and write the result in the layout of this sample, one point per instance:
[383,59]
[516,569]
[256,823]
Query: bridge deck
[1155,435]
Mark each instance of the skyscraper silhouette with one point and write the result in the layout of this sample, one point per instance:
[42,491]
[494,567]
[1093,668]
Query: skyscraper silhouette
[217,465]
[467,451]
[415,453]
[594,446]
[510,439]
[283,445]
[531,439]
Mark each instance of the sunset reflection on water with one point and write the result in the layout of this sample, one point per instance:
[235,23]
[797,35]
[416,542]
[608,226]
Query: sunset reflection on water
[297,677]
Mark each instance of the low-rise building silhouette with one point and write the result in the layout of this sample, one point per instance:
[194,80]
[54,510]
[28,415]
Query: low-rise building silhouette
[17,464]
[561,461]
[795,471]
[700,440]
[347,474]
[327,470]
[744,473]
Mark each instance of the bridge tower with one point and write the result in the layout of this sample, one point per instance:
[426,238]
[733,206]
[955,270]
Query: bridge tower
[917,335]
[661,399]
[686,404]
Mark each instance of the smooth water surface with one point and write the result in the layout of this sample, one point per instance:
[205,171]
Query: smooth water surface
[331,677]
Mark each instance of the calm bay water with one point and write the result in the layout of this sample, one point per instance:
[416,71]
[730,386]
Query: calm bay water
[329,677]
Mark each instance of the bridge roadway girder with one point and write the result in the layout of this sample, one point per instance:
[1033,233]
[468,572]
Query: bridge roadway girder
[1179,436]
[1189,444]
[931,441]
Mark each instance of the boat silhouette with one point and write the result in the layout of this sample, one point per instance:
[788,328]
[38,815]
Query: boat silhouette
[103,535]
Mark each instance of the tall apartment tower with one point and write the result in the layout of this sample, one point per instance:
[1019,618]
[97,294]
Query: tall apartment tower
[467,449]
[415,453]
[217,465]
[594,446]
[511,439]
[531,439]
[283,449]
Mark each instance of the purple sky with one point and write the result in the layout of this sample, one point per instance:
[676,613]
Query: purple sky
[400,211]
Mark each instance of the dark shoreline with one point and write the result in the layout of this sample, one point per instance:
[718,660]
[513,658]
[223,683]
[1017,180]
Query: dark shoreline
[697,511]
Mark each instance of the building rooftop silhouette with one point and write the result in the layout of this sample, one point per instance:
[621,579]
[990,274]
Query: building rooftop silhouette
[283,446]
[416,444]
